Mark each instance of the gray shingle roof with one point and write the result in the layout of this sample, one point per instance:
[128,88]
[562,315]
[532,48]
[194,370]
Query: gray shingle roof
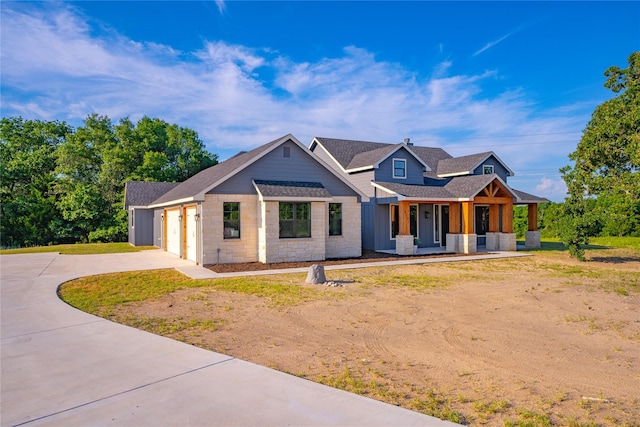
[464,164]
[461,187]
[431,156]
[352,154]
[291,189]
[204,179]
[138,193]
[529,198]
[344,150]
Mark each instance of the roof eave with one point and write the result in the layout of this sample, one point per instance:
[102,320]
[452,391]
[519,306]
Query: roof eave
[173,202]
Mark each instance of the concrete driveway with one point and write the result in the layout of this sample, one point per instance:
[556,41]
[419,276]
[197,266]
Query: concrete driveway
[63,367]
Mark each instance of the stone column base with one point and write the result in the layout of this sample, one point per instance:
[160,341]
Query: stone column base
[493,242]
[507,241]
[404,244]
[532,239]
[468,243]
[452,243]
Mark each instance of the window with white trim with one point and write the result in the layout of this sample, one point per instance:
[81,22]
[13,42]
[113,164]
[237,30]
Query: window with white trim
[487,169]
[399,168]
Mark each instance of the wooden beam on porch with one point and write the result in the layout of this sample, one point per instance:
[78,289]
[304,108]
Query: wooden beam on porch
[532,217]
[454,218]
[494,218]
[467,217]
[507,218]
[492,200]
[405,218]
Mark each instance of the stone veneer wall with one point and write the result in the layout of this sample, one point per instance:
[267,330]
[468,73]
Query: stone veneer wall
[274,249]
[349,245]
[244,249]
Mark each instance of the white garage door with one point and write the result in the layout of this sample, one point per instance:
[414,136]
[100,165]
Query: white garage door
[191,233]
[172,219]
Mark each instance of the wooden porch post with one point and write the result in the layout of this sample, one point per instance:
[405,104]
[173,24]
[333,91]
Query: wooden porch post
[467,217]
[532,217]
[454,218]
[405,218]
[507,218]
[494,218]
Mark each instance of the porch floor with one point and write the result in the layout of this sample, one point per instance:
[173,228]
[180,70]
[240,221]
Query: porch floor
[426,251]
[443,250]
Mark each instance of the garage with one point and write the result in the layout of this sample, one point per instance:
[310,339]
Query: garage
[172,230]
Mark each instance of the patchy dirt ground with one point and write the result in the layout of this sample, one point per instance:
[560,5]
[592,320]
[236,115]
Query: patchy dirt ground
[541,340]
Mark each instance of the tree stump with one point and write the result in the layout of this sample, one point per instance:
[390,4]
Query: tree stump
[316,275]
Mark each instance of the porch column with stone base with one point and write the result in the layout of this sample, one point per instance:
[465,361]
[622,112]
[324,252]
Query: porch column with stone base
[468,243]
[508,241]
[493,241]
[404,244]
[532,239]
[452,242]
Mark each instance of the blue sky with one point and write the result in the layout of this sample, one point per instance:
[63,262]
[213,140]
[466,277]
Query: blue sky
[517,78]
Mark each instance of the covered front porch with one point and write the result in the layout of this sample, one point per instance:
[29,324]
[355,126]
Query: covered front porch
[482,222]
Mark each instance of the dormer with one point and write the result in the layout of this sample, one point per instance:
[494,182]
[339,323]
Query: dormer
[475,164]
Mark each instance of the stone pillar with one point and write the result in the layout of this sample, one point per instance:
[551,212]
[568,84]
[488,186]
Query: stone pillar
[507,241]
[532,239]
[493,241]
[404,244]
[468,243]
[453,243]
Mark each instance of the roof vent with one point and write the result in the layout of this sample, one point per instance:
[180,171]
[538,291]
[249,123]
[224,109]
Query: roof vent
[408,141]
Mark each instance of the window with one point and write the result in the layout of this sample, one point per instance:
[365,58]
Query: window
[231,218]
[295,220]
[286,152]
[399,168]
[335,219]
[487,169]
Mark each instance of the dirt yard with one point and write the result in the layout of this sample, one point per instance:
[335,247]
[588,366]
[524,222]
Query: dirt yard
[540,340]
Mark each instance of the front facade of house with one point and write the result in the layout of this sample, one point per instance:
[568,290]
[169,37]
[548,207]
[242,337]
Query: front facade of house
[276,203]
[423,196]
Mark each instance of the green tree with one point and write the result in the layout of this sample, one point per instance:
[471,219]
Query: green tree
[607,160]
[83,197]
[60,184]
[27,203]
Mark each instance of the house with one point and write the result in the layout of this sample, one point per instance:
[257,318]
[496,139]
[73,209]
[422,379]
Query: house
[423,195]
[276,203]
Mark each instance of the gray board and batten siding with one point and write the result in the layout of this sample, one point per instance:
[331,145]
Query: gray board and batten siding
[285,163]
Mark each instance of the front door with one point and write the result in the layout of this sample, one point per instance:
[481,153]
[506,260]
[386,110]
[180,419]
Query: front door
[482,224]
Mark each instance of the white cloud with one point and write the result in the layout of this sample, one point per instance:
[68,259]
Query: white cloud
[238,97]
[552,189]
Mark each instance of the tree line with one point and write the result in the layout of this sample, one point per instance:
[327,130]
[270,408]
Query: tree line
[60,184]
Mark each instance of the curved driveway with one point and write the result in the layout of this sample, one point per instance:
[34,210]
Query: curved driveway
[63,367]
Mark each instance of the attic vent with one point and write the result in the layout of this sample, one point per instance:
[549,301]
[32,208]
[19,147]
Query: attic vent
[408,141]
[286,152]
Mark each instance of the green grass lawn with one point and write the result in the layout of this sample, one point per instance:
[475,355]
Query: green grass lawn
[80,249]
[554,244]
